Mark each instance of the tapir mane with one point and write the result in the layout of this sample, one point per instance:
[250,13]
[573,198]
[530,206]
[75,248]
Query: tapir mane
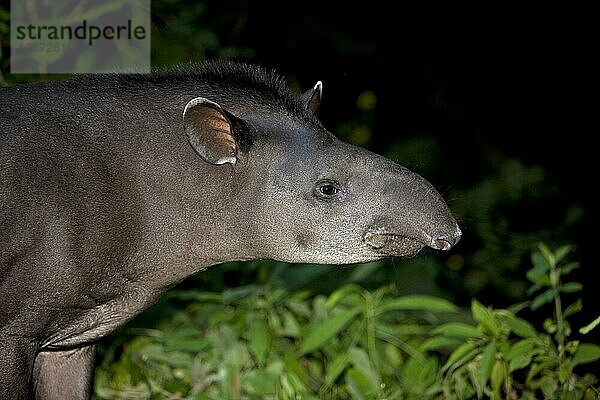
[232,84]
[247,78]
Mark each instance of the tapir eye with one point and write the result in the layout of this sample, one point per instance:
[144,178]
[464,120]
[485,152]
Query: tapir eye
[327,189]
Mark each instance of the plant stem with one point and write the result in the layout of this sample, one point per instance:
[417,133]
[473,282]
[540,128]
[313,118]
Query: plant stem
[370,314]
[560,322]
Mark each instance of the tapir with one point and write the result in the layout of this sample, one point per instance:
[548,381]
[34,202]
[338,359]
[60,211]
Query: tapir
[114,188]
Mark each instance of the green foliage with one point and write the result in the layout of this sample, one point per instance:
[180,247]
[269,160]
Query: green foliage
[267,342]
[259,342]
[506,357]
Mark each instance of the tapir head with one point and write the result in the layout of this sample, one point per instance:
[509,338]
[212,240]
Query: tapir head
[302,195]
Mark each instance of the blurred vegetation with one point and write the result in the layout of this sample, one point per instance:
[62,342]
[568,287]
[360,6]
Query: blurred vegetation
[262,341]
[485,129]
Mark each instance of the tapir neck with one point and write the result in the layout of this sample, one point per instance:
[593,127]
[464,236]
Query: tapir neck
[189,212]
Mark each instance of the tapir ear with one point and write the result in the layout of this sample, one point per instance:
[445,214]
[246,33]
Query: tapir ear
[312,97]
[210,131]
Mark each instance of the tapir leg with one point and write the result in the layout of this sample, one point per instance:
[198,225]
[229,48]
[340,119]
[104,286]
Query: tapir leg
[16,363]
[64,374]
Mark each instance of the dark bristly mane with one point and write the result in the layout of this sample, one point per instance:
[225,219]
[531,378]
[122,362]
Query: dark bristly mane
[241,76]
[252,85]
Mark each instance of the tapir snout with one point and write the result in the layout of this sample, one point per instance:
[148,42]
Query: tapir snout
[412,215]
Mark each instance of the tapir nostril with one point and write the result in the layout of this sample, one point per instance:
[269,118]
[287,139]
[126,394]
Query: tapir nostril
[445,242]
[441,243]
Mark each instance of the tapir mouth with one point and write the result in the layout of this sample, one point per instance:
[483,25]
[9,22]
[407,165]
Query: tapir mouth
[393,244]
[396,244]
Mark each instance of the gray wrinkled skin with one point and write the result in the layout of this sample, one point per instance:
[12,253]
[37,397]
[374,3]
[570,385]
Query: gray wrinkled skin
[115,188]
[382,209]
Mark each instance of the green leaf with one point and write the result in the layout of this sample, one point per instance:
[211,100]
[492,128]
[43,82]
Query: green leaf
[586,329]
[586,353]
[547,254]
[438,342]
[289,384]
[523,346]
[360,361]
[545,297]
[474,371]
[562,251]
[571,287]
[418,302]
[192,345]
[318,334]
[300,308]
[319,308]
[238,293]
[457,329]
[539,263]
[573,309]
[235,354]
[292,364]
[515,308]
[563,374]
[566,269]
[535,287]
[336,367]
[548,385]
[359,386]
[290,325]
[394,340]
[176,359]
[519,326]
[538,276]
[520,361]
[392,357]
[535,369]
[260,339]
[488,357]
[521,353]
[352,291]
[462,354]
[260,382]
[483,316]
[418,376]
[405,328]
[498,375]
